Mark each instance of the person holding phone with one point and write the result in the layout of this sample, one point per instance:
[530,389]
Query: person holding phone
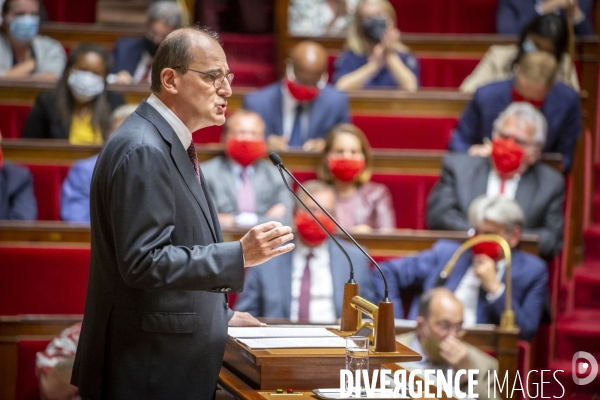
[375,57]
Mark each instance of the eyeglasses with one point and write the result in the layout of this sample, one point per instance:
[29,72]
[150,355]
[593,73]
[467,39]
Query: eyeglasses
[445,327]
[217,77]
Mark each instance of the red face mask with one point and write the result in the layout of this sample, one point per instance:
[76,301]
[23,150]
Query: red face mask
[507,155]
[346,169]
[302,93]
[246,152]
[490,249]
[517,98]
[310,232]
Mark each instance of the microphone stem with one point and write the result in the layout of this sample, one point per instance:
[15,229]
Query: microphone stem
[280,167]
[351,280]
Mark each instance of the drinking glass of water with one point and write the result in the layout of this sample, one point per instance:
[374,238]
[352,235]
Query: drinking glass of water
[357,354]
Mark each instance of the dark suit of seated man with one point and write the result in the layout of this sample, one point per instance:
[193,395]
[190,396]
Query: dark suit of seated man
[535,83]
[246,189]
[478,276]
[519,134]
[17,200]
[306,284]
[299,110]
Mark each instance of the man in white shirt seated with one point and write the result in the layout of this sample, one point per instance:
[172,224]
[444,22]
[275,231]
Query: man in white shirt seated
[438,339]
[306,284]
[246,189]
[512,171]
[478,276]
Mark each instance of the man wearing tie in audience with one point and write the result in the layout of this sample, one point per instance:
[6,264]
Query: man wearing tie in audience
[156,313]
[307,284]
[299,110]
[245,188]
[534,83]
[512,171]
[438,339]
[478,278]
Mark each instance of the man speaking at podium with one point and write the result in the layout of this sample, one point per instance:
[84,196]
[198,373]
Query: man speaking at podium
[156,313]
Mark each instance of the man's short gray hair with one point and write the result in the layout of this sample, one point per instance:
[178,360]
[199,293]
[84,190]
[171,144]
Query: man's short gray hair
[525,114]
[500,210]
[165,11]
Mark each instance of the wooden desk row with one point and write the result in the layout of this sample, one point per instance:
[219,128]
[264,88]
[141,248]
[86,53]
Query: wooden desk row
[60,152]
[393,243]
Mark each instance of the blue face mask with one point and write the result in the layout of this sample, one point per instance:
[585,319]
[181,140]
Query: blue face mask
[24,28]
[529,46]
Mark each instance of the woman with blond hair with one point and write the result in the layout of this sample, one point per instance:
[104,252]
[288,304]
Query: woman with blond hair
[374,56]
[346,164]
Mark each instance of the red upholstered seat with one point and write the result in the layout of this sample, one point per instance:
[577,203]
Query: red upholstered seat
[47,182]
[27,385]
[445,72]
[211,134]
[36,280]
[395,132]
[71,10]
[12,119]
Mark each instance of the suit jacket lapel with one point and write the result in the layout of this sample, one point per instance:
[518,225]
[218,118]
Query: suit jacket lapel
[460,268]
[339,271]
[526,190]
[278,114]
[180,158]
[285,282]
[480,181]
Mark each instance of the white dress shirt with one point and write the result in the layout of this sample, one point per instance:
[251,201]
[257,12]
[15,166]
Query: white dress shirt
[288,109]
[143,67]
[321,306]
[467,292]
[494,184]
[183,133]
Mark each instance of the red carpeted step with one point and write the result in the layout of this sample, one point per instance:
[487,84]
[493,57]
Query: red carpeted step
[578,331]
[249,48]
[248,74]
[587,287]
[563,373]
[591,237]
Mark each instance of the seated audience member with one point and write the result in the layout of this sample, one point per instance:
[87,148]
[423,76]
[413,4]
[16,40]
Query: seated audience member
[306,284]
[75,193]
[17,200]
[512,171]
[245,188]
[55,365]
[534,83]
[299,110]
[320,17]
[513,15]
[132,56]
[375,57]
[79,107]
[346,162]
[478,276]
[547,33]
[23,53]
[438,340]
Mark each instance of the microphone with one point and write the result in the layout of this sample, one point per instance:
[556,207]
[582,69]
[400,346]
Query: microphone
[278,162]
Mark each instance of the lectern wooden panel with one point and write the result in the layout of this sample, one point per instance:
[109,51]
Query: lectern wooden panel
[303,369]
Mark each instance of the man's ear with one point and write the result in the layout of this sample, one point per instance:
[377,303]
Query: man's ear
[420,321]
[169,80]
[515,237]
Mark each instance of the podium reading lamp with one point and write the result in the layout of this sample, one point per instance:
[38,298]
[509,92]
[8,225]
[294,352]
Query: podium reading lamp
[508,316]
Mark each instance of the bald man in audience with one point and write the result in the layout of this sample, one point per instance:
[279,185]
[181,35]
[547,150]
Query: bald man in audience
[300,109]
[534,83]
[438,339]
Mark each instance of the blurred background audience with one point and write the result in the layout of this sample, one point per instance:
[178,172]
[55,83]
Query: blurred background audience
[375,56]
[320,17]
[346,163]
[17,201]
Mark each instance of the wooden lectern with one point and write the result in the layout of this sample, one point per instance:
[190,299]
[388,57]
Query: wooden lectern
[299,368]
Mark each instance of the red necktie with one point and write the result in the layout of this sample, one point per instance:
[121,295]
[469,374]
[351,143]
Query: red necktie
[191,151]
[502,183]
[304,298]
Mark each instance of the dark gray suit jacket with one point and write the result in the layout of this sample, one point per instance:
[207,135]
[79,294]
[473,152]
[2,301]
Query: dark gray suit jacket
[540,194]
[156,315]
[269,188]
[268,288]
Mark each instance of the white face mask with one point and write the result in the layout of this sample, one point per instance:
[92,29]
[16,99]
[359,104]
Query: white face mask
[84,85]
[529,46]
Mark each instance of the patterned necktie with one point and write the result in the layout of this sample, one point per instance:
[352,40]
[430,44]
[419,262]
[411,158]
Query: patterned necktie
[246,198]
[191,151]
[304,298]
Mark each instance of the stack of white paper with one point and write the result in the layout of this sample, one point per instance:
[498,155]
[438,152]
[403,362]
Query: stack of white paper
[281,338]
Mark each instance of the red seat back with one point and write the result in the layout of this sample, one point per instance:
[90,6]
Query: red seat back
[395,132]
[38,280]
[211,134]
[71,10]
[47,183]
[27,385]
[445,72]
[12,119]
